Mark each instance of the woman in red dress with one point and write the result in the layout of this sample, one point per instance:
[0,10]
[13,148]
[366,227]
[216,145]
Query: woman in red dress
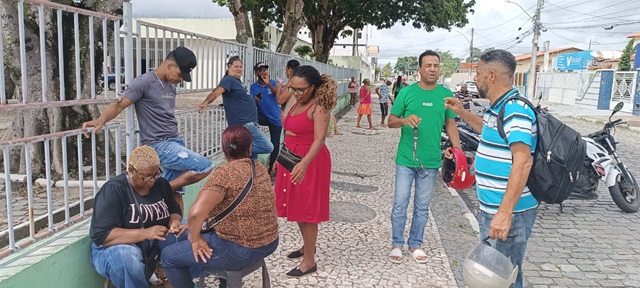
[302,195]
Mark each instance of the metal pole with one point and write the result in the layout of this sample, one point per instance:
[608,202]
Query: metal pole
[128,73]
[534,50]
[471,54]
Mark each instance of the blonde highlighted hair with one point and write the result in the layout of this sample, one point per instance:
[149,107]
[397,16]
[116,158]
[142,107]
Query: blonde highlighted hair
[325,92]
[143,157]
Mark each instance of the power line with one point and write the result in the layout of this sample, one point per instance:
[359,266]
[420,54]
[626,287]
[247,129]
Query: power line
[482,29]
[586,14]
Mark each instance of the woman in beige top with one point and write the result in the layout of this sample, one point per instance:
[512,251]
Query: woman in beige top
[248,234]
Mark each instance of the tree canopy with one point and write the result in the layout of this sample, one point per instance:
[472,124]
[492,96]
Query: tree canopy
[625,59]
[406,65]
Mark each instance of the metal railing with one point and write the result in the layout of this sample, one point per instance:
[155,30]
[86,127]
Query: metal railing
[55,206]
[30,86]
[624,89]
[74,167]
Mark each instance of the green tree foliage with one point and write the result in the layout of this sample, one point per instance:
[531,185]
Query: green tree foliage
[386,71]
[326,18]
[406,65]
[625,59]
[477,53]
[448,63]
[304,51]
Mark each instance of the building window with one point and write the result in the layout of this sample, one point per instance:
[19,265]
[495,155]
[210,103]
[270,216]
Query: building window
[359,35]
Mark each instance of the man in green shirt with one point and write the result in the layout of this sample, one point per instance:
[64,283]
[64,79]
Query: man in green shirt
[420,112]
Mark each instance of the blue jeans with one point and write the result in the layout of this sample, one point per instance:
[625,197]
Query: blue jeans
[123,264]
[261,145]
[516,244]
[176,159]
[179,264]
[425,180]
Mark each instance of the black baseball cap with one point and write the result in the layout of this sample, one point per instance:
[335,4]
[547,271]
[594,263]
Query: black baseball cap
[186,60]
[259,66]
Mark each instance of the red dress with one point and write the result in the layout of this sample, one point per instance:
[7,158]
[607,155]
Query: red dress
[307,201]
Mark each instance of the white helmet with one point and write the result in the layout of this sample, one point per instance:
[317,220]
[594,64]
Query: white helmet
[486,267]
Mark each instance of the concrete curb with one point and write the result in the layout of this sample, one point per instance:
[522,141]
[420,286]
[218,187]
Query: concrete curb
[465,210]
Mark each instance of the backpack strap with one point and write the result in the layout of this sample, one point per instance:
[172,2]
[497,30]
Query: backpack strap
[500,122]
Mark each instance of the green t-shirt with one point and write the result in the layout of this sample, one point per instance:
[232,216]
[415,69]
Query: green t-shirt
[429,106]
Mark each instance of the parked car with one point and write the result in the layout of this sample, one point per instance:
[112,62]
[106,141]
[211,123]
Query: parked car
[471,87]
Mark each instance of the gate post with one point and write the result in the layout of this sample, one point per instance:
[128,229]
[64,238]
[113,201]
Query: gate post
[128,73]
[606,89]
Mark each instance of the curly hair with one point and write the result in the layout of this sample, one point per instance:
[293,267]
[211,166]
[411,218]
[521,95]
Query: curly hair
[143,157]
[325,92]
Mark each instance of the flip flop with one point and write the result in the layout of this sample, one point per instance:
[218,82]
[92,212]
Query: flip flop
[395,252]
[419,253]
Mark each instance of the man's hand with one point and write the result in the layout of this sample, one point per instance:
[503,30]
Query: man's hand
[266,77]
[202,106]
[96,124]
[156,232]
[454,105]
[500,225]
[411,121]
[448,154]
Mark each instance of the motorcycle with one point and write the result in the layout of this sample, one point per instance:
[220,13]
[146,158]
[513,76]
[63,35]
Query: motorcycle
[469,138]
[602,163]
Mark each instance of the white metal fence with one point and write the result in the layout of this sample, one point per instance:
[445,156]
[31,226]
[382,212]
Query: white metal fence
[624,89]
[39,205]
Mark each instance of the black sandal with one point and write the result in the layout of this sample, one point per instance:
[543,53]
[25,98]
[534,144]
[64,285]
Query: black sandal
[295,254]
[296,272]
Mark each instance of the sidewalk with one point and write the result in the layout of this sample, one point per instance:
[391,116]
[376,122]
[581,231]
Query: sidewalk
[596,116]
[353,246]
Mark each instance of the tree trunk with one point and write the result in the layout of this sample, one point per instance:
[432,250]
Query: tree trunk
[258,29]
[241,19]
[324,30]
[32,122]
[293,21]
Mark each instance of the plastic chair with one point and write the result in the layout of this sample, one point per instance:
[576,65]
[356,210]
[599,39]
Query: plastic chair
[234,278]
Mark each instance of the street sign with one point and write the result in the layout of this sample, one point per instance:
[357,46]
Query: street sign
[574,61]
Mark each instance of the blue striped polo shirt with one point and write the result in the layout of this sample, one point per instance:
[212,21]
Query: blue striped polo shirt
[494,159]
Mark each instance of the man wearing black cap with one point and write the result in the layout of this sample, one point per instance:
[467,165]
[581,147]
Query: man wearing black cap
[154,97]
[264,91]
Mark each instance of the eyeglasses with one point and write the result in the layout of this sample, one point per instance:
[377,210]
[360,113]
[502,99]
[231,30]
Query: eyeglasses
[147,178]
[297,91]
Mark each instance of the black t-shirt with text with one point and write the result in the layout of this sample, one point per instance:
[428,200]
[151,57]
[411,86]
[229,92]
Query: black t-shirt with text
[113,207]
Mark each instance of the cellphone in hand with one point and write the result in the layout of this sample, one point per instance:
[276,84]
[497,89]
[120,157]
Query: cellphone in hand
[259,96]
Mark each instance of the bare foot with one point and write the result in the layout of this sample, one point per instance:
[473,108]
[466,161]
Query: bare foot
[383,125]
[373,128]
[358,126]
[337,133]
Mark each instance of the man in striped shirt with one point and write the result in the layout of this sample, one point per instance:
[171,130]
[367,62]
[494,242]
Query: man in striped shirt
[507,208]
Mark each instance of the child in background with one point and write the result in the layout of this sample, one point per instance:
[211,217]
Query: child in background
[383,94]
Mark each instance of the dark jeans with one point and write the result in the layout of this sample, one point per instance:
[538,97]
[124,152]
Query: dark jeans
[274,133]
[384,109]
[180,265]
[353,99]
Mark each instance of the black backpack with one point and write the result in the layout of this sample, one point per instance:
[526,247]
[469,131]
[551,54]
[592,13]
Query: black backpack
[558,158]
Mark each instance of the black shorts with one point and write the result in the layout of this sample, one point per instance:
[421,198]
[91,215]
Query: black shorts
[384,109]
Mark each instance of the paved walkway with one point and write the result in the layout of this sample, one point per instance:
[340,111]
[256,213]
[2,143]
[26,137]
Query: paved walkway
[353,246]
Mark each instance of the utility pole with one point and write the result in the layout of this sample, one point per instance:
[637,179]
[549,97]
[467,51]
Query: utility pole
[354,52]
[534,49]
[471,54]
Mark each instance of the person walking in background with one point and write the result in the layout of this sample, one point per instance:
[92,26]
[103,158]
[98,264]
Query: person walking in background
[302,194]
[264,91]
[353,91]
[246,235]
[365,104]
[508,210]
[239,107]
[397,86]
[383,94]
[153,95]
[420,112]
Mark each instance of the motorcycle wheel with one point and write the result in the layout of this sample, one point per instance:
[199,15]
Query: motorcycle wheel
[625,193]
